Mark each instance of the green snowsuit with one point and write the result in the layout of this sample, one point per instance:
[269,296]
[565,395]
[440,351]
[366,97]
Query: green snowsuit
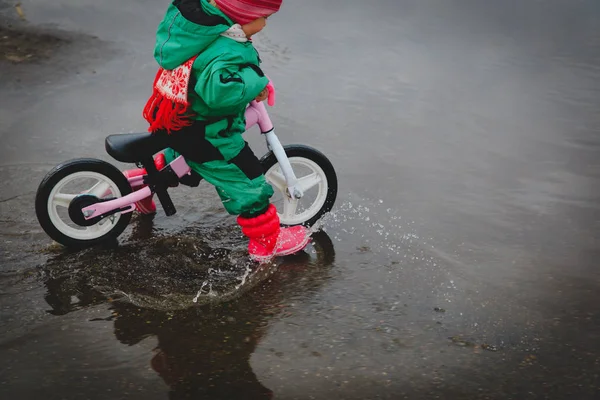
[225,78]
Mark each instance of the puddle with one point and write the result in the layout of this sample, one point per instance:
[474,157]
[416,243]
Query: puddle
[21,46]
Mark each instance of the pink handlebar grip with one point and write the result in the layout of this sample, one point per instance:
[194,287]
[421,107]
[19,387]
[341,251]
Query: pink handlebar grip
[271,89]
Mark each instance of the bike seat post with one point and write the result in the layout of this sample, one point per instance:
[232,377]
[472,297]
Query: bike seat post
[158,186]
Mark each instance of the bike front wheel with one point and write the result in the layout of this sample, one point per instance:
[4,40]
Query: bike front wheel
[316,177]
[72,186]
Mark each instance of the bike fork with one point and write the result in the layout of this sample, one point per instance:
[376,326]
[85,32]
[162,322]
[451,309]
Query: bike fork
[274,145]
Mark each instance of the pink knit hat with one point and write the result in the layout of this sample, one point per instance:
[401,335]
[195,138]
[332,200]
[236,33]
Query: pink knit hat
[245,11]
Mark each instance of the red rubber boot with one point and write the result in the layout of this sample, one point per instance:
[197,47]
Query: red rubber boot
[147,205]
[268,239]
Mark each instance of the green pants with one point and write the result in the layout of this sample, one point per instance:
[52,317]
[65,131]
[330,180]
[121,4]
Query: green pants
[223,158]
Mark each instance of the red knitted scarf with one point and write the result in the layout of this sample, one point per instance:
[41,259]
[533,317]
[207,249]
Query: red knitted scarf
[168,108]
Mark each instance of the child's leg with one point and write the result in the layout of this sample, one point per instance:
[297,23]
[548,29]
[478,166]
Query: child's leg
[245,192]
[226,161]
[240,182]
[221,156]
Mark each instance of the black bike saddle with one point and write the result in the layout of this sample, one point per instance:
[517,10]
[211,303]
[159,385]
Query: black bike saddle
[134,147]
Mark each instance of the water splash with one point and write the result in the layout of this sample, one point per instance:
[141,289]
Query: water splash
[224,279]
[195,299]
[386,233]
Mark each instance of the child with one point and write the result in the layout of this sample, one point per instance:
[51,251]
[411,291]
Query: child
[209,74]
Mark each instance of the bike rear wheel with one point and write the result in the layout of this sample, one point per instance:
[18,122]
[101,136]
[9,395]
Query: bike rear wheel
[317,178]
[72,186]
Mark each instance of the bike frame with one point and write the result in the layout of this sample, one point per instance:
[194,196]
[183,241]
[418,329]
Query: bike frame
[256,114]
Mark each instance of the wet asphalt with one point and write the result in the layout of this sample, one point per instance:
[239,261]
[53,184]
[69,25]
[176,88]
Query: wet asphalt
[460,261]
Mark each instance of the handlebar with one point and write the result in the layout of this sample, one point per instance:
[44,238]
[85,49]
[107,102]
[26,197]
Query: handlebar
[271,89]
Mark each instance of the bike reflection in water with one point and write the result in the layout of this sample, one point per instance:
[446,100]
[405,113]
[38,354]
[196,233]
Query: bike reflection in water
[204,352]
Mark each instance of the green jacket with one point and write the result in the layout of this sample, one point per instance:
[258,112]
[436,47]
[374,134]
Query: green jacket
[225,77]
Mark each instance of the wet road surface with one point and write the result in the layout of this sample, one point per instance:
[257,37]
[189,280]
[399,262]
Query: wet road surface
[459,262]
